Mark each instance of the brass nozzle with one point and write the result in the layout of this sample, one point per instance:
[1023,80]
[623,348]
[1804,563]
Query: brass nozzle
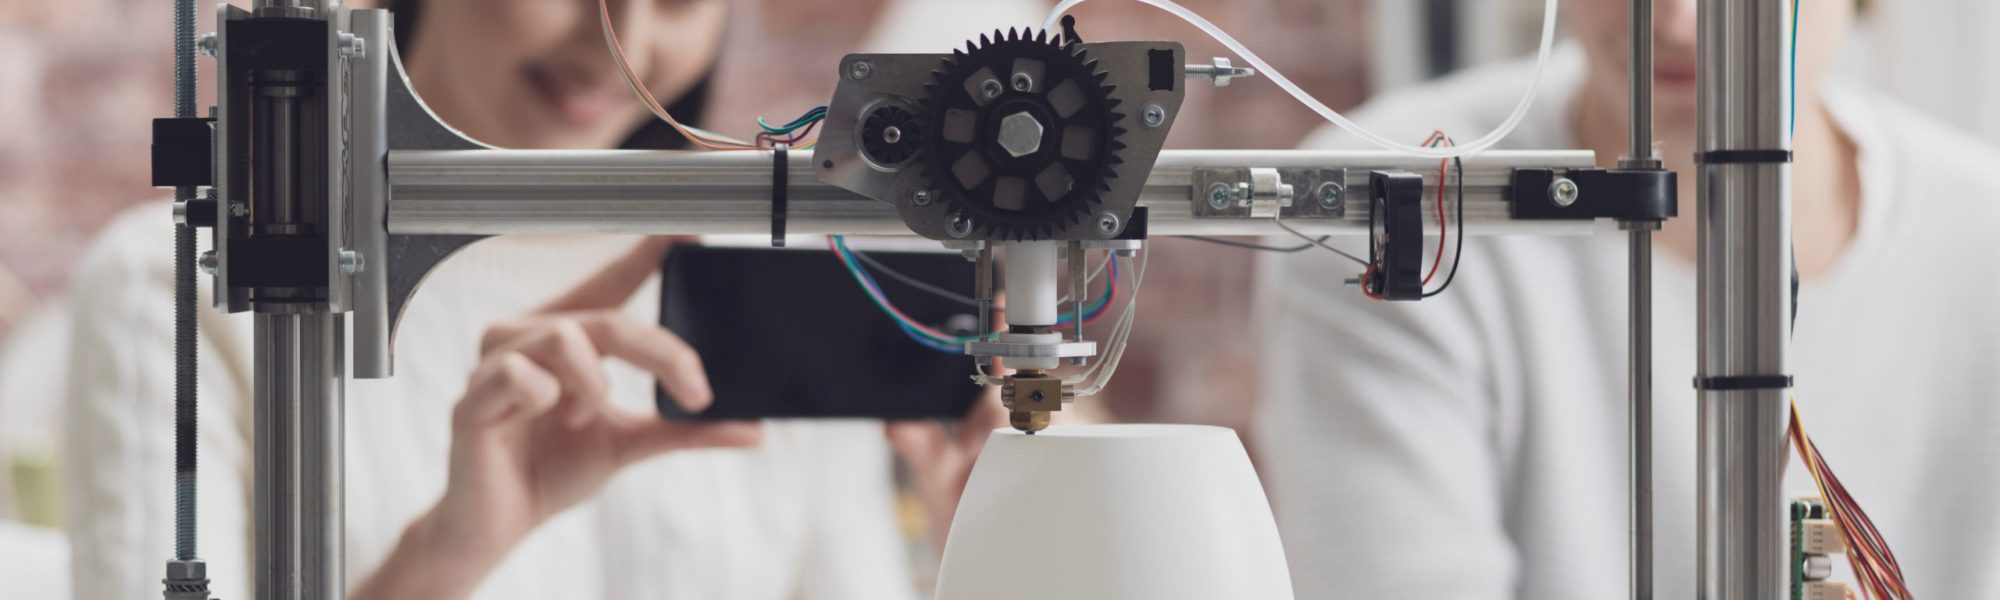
[1028,421]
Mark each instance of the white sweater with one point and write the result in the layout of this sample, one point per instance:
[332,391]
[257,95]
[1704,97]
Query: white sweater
[809,514]
[1473,446]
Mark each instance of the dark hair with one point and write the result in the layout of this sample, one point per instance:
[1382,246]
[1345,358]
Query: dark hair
[654,135]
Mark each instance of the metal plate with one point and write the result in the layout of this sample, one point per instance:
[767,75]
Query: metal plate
[901,78]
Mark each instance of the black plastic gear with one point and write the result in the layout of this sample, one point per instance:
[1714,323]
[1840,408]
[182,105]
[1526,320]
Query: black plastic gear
[890,134]
[1030,196]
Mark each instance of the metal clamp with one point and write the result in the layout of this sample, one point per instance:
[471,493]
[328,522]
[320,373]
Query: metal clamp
[1261,193]
[1585,194]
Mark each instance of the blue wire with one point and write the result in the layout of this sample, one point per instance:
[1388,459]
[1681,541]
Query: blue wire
[1795,69]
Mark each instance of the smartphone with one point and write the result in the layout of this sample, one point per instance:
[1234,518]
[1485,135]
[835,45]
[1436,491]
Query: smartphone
[789,333]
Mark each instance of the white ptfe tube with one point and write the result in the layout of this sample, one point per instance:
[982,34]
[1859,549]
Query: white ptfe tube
[1032,271]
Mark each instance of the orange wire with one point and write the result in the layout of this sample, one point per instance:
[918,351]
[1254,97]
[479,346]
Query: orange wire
[646,96]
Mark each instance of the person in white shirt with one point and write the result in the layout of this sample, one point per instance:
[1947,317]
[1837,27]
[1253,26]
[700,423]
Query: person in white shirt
[548,475]
[1473,445]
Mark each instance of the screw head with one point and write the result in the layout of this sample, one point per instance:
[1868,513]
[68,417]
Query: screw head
[1108,225]
[1330,194]
[207,43]
[1153,115]
[1218,196]
[860,70]
[352,262]
[892,134]
[960,227]
[1022,82]
[239,210]
[990,88]
[1020,134]
[1564,192]
[352,47]
[207,262]
[921,198]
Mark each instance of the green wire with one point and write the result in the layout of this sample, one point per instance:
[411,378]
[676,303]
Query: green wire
[810,117]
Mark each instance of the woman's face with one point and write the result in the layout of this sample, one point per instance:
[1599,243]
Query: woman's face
[536,74]
[1603,28]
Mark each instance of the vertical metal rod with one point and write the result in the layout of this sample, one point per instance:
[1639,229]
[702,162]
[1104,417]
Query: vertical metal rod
[1640,381]
[1744,300]
[1640,155]
[1641,113]
[275,416]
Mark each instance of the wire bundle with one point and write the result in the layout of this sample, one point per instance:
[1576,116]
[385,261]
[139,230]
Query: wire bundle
[931,337]
[707,140]
[1875,569]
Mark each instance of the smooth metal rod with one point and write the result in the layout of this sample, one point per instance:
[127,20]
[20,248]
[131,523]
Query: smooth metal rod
[1639,368]
[1639,374]
[1744,303]
[491,192]
[1640,117]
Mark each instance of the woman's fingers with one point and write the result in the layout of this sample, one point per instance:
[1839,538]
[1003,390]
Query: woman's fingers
[507,386]
[565,349]
[656,350]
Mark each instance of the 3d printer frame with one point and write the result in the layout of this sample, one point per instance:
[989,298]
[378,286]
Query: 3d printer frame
[333,192]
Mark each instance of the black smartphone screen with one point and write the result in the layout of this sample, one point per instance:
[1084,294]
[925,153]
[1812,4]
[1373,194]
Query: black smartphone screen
[790,334]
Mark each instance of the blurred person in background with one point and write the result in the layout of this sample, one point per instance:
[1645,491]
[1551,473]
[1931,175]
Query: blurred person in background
[533,480]
[1474,445]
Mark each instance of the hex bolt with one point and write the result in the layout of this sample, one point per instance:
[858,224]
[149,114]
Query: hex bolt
[1219,196]
[1564,192]
[1330,194]
[860,70]
[207,43]
[991,88]
[1023,82]
[1107,225]
[921,198]
[208,262]
[351,262]
[1153,115]
[352,47]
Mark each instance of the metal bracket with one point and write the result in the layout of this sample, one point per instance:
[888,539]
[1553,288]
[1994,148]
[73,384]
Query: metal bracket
[1260,193]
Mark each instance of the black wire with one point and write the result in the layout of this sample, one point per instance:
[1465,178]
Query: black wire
[1258,247]
[925,286]
[1458,255]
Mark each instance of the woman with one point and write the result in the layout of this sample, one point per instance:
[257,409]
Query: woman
[1473,445]
[529,481]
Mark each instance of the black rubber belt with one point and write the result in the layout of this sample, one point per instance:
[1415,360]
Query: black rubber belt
[1743,157]
[1743,382]
[780,184]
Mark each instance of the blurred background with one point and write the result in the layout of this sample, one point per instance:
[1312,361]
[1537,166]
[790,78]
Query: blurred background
[81,79]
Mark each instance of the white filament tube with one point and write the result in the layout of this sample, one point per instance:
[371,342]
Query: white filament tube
[1032,272]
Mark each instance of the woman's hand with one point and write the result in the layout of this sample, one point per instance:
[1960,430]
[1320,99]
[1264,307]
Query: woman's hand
[535,433]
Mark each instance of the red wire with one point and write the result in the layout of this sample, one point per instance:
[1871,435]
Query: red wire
[1444,227]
